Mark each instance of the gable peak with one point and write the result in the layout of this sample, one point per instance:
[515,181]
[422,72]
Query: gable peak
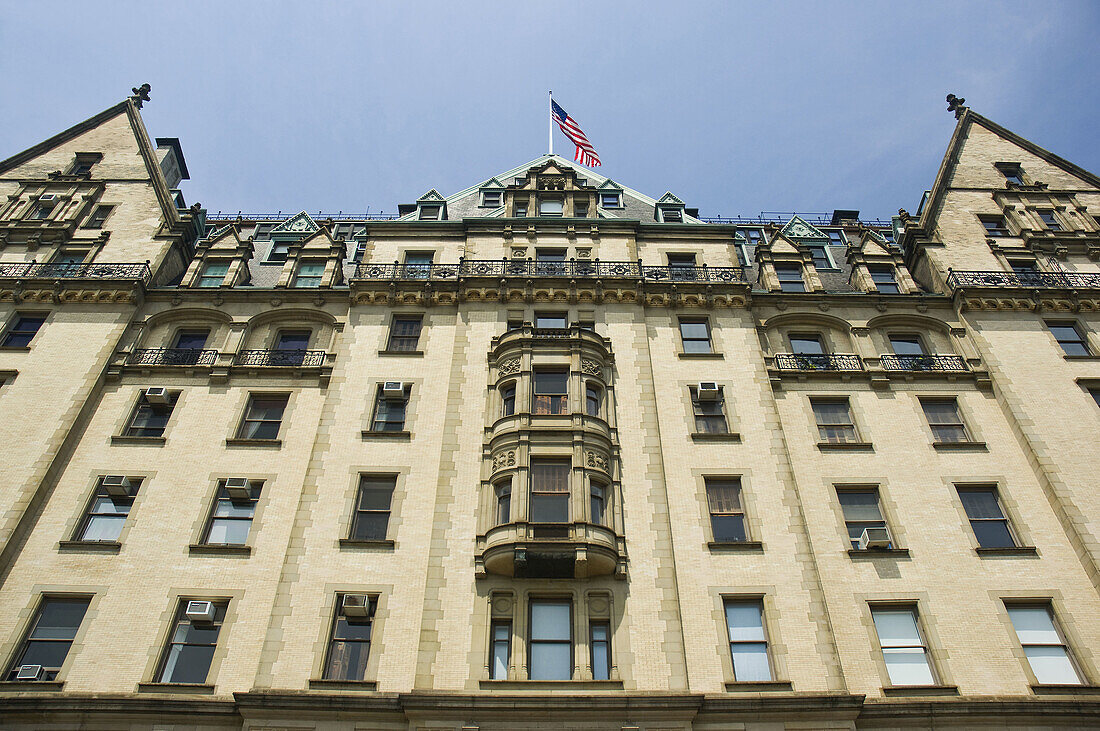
[299,223]
[797,228]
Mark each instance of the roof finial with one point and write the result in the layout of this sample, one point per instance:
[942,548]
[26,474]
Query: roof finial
[956,104]
[141,94]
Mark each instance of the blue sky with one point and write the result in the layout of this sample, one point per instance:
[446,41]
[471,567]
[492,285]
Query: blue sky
[737,108]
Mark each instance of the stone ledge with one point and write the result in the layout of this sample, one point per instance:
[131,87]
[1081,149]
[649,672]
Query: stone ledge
[147,441]
[846,446]
[551,684]
[1007,551]
[701,356]
[356,685]
[715,437]
[735,546]
[196,688]
[363,543]
[878,552]
[219,549]
[21,686]
[901,690]
[401,436]
[751,686]
[394,353]
[89,546]
[276,443]
[960,446]
[1064,689]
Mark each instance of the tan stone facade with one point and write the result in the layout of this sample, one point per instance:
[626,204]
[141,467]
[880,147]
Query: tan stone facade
[579,458]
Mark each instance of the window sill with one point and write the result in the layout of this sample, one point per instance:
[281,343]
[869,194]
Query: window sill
[15,348]
[846,446]
[364,543]
[276,443]
[1081,357]
[715,437]
[218,549]
[1007,551]
[401,436]
[318,684]
[551,684]
[960,446]
[391,353]
[147,441]
[701,356]
[878,552]
[20,686]
[198,688]
[735,546]
[1064,689]
[750,686]
[89,546]
[894,690]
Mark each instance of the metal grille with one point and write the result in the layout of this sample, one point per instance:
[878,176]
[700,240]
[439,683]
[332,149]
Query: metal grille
[1025,280]
[31,270]
[800,362]
[281,357]
[571,269]
[173,357]
[923,363]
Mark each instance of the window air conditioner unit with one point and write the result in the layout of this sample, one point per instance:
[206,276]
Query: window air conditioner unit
[116,485]
[157,395]
[29,672]
[47,198]
[874,538]
[707,390]
[200,611]
[393,389]
[238,488]
[356,605]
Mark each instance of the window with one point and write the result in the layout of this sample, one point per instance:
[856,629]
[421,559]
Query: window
[309,274]
[727,516]
[23,330]
[1070,337]
[906,344]
[820,256]
[883,277]
[1023,266]
[69,257]
[597,502]
[1012,171]
[834,421]
[263,230]
[98,217]
[501,649]
[903,647]
[550,207]
[389,410]
[418,264]
[551,392]
[1095,393]
[551,320]
[151,413]
[278,251]
[1044,646]
[521,209]
[551,646]
[550,262]
[753,236]
[1050,221]
[84,163]
[994,226]
[988,521]
[790,278]
[108,510]
[695,335]
[580,208]
[49,636]
[430,212]
[290,347]
[231,517]
[681,267]
[593,397]
[599,649]
[710,413]
[213,273]
[836,237]
[748,641]
[191,339]
[372,507]
[44,207]
[861,511]
[610,200]
[349,643]
[549,491]
[491,198]
[807,345]
[404,334]
[191,645]
[672,214]
[508,399]
[503,493]
[944,420]
[263,417]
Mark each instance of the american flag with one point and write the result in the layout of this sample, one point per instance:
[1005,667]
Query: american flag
[586,154]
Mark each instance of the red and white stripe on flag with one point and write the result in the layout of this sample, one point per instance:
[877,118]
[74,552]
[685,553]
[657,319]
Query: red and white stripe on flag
[586,154]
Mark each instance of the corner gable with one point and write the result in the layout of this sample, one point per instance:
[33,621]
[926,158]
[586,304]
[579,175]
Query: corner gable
[298,224]
[780,244]
[798,229]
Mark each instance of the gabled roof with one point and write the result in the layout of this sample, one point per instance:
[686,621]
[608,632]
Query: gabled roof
[299,223]
[432,196]
[609,184]
[668,197]
[493,183]
[798,229]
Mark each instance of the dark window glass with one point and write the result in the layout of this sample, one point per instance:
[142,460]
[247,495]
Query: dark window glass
[1023,266]
[790,278]
[503,491]
[1069,336]
[861,511]
[944,419]
[309,274]
[550,262]
[98,217]
[695,335]
[190,647]
[807,345]
[834,421]
[986,518]
[231,517]
[994,225]
[149,419]
[836,237]
[609,200]
[389,411]
[727,517]
[1050,221]
[418,264]
[598,503]
[430,212]
[820,257]
[23,330]
[404,334]
[549,491]
[491,199]
[906,345]
[50,636]
[1013,173]
[551,643]
[681,266]
[1095,392]
[349,644]
[551,392]
[593,395]
[372,507]
[70,258]
[501,649]
[191,339]
[279,251]
[710,414]
[263,417]
[213,274]
[599,649]
[107,513]
[672,215]
[580,208]
[884,280]
[508,399]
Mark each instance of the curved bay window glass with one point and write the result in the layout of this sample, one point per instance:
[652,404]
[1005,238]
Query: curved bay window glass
[592,398]
[549,491]
[598,502]
[551,392]
[508,399]
[503,492]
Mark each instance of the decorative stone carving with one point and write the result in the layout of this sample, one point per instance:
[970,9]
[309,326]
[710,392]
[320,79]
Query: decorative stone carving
[591,367]
[504,459]
[956,104]
[584,252]
[141,94]
[519,252]
[508,367]
[596,460]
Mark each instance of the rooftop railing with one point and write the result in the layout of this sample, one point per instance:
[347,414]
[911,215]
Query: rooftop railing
[594,269]
[293,358]
[173,357]
[922,363]
[815,362]
[766,218]
[32,270]
[1024,280]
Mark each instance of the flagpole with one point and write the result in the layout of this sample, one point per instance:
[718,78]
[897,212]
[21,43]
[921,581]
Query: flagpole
[551,136]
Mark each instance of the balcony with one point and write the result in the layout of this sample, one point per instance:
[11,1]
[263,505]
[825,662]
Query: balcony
[173,357]
[1023,280]
[526,268]
[805,363]
[551,551]
[923,363]
[281,358]
[103,271]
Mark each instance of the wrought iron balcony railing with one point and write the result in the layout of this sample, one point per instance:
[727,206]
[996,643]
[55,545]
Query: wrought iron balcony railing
[32,270]
[298,358]
[831,362]
[594,269]
[926,363]
[1024,280]
[173,357]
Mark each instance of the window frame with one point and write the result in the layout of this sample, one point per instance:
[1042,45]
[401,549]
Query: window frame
[711,484]
[885,523]
[532,641]
[50,673]
[827,262]
[1082,337]
[142,403]
[1005,519]
[787,283]
[1047,604]
[221,606]
[508,392]
[396,337]
[486,203]
[502,501]
[221,493]
[14,331]
[205,279]
[995,225]
[593,398]
[383,405]
[756,601]
[99,216]
[556,402]
[891,287]
[1054,225]
[89,514]
[824,436]
[937,438]
[311,277]
[697,406]
[547,489]
[494,642]
[1013,172]
[611,200]
[375,479]
[246,418]
[684,339]
[605,668]
[913,608]
[337,614]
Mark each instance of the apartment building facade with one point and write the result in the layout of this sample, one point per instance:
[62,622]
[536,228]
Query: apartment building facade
[547,452]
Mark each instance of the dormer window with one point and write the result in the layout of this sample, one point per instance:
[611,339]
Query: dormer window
[213,274]
[671,214]
[790,278]
[611,200]
[44,207]
[430,211]
[580,208]
[521,210]
[1012,171]
[263,230]
[82,165]
[819,254]
[883,277]
[310,274]
[491,198]
[278,252]
[550,207]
